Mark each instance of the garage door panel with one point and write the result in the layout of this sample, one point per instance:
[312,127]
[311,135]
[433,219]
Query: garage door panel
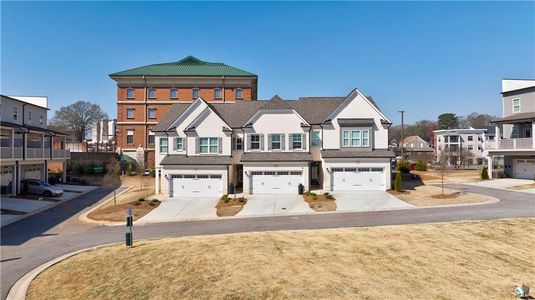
[275,182]
[356,179]
[196,186]
[524,168]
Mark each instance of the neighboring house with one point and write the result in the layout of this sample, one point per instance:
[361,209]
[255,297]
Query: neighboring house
[462,146]
[270,147]
[517,147]
[145,94]
[27,145]
[417,148]
[103,136]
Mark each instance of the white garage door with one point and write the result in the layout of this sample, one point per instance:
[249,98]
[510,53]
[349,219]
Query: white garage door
[7,176]
[32,173]
[276,182]
[190,185]
[525,168]
[358,179]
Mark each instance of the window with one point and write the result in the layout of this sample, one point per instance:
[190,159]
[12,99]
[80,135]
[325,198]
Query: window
[470,147]
[41,119]
[30,116]
[276,142]
[129,93]
[129,136]
[151,138]
[163,146]
[297,141]
[296,173]
[129,113]
[470,138]
[315,139]
[516,105]
[179,145]
[172,93]
[345,138]
[152,113]
[239,93]
[355,138]
[152,92]
[195,93]
[365,138]
[209,145]
[217,93]
[15,113]
[255,141]
[238,144]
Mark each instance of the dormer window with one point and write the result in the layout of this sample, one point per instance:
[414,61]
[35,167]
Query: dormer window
[129,93]
[15,113]
[217,93]
[41,119]
[172,93]
[152,92]
[239,93]
[516,105]
[195,93]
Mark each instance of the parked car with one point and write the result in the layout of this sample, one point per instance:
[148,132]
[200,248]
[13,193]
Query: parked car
[42,187]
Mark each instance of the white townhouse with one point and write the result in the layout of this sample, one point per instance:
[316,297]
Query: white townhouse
[464,146]
[271,147]
[27,145]
[515,129]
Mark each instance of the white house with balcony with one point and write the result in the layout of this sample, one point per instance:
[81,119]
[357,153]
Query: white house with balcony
[204,149]
[27,146]
[464,146]
[517,126]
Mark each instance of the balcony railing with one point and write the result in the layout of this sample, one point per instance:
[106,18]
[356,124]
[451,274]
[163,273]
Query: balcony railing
[61,153]
[11,152]
[42,153]
[37,153]
[519,143]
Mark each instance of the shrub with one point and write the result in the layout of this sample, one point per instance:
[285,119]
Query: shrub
[312,194]
[141,199]
[242,199]
[91,168]
[421,166]
[153,173]
[80,168]
[69,166]
[403,166]
[398,182]
[484,173]
[225,198]
[129,169]
[314,197]
[328,196]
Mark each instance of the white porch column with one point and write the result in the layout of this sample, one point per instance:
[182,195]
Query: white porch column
[498,136]
[490,165]
[533,134]
[157,181]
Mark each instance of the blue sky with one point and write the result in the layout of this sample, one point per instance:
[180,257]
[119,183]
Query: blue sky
[425,58]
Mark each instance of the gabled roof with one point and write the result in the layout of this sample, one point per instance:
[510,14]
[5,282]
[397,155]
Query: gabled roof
[276,103]
[188,66]
[519,117]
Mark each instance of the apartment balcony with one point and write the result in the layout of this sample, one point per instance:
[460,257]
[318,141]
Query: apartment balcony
[38,153]
[511,144]
[61,154]
[11,152]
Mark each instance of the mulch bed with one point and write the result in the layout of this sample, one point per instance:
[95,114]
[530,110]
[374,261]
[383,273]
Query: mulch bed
[229,209]
[118,213]
[320,203]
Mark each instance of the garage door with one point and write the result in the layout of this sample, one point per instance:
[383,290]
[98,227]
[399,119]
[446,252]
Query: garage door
[190,185]
[524,168]
[32,173]
[358,179]
[276,182]
[7,176]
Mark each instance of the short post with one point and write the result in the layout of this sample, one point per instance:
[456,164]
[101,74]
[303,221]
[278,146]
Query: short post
[129,224]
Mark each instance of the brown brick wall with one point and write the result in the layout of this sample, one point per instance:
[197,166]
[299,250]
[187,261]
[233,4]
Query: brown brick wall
[184,94]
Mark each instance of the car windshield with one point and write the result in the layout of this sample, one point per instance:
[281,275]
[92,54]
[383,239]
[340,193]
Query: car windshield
[44,183]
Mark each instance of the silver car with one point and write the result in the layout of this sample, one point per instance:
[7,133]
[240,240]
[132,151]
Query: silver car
[42,187]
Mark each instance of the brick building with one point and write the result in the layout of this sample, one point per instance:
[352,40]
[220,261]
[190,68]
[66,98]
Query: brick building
[145,94]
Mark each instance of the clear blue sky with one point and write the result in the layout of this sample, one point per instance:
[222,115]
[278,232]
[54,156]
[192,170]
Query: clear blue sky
[425,58]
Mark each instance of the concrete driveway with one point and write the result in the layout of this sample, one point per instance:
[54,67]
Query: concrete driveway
[270,205]
[181,209]
[367,200]
[504,184]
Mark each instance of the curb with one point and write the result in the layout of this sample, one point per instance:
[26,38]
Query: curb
[20,288]
[84,216]
[42,209]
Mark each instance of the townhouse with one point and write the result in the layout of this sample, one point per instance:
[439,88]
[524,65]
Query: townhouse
[27,145]
[145,94]
[463,146]
[271,147]
[514,130]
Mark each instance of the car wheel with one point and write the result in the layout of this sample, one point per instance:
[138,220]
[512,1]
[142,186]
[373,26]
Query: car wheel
[47,194]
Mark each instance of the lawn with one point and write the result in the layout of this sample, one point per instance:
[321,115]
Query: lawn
[426,195]
[460,260]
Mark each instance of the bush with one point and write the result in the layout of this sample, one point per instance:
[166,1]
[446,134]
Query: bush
[152,173]
[70,167]
[141,199]
[403,166]
[421,166]
[328,196]
[484,173]
[129,169]
[80,168]
[242,199]
[398,182]
[91,168]
[225,198]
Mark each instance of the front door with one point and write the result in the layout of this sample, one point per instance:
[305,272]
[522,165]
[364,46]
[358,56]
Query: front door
[239,177]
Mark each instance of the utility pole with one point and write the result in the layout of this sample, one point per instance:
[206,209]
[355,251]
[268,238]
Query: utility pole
[402,112]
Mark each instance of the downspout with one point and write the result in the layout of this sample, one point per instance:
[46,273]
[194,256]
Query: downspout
[145,135]
[24,136]
[224,98]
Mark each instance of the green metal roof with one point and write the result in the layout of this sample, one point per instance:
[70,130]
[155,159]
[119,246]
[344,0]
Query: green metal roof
[188,66]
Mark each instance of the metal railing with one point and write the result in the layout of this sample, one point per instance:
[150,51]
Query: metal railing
[61,153]
[11,152]
[518,143]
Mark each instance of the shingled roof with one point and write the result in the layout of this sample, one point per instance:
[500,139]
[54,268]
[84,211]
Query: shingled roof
[188,66]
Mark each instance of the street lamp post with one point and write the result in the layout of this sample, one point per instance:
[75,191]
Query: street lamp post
[402,112]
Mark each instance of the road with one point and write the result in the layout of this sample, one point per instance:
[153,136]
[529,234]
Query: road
[31,242]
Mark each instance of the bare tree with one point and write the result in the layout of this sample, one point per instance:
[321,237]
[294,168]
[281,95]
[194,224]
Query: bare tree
[112,178]
[78,118]
[442,164]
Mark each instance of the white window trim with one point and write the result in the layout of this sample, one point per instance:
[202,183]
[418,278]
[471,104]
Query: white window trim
[171,94]
[128,134]
[300,141]
[166,146]
[236,93]
[279,141]
[239,141]
[209,145]
[359,141]
[133,93]
[318,138]
[220,93]
[514,106]
[259,142]
[148,93]
[181,144]
[193,90]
